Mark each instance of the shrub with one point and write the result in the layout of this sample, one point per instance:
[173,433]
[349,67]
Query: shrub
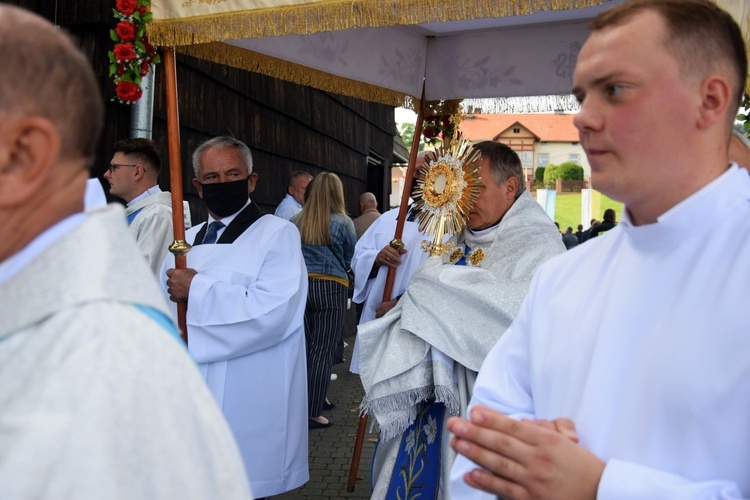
[570,171]
[550,175]
[539,175]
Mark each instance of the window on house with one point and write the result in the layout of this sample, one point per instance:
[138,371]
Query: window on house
[574,157]
[543,159]
[516,130]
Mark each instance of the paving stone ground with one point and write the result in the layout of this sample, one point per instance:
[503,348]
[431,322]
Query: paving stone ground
[331,448]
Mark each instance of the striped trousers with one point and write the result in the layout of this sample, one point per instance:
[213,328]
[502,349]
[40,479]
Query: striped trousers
[324,322]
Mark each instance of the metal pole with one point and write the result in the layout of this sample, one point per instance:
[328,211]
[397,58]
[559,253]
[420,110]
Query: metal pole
[142,112]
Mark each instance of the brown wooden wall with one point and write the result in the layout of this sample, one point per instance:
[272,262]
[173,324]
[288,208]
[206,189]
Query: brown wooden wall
[288,127]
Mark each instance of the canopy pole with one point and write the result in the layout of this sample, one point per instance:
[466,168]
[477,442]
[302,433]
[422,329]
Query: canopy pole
[405,195]
[179,247]
[391,276]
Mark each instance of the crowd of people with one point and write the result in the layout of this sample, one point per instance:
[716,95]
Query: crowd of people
[506,367]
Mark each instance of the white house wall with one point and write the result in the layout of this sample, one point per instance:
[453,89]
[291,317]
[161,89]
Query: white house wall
[559,152]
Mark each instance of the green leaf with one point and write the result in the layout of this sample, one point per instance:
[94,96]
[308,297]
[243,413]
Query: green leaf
[156,59]
[137,16]
[126,78]
[140,46]
[742,117]
[111,56]
[112,69]
[147,17]
[113,36]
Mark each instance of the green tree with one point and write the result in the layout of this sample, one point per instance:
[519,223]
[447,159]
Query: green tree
[407,135]
[550,175]
[570,171]
[539,175]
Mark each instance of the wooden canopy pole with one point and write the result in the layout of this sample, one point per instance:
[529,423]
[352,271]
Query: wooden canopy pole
[179,247]
[390,277]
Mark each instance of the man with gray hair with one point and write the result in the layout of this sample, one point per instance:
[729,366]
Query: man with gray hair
[246,288]
[419,361]
[98,398]
[295,195]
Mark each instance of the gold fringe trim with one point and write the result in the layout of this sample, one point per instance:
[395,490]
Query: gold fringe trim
[329,15]
[230,55]
[333,15]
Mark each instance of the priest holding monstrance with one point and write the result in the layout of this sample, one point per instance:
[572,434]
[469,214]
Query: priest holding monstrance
[418,363]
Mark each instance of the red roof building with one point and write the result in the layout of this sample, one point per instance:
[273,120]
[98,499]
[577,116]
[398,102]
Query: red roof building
[539,139]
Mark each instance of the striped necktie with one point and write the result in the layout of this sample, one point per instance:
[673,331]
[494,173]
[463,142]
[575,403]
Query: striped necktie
[212,231]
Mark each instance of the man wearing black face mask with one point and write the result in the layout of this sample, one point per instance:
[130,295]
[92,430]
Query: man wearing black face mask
[246,287]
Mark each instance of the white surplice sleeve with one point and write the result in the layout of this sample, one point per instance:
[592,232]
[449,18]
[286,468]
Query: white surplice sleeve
[154,234]
[626,480]
[248,295]
[365,251]
[504,384]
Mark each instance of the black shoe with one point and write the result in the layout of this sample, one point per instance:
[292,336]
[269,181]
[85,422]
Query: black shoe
[314,424]
[328,406]
[339,361]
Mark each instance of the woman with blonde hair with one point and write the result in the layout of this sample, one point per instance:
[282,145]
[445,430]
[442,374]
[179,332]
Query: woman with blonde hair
[328,240]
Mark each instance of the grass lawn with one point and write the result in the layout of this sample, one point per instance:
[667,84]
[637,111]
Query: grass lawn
[568,209]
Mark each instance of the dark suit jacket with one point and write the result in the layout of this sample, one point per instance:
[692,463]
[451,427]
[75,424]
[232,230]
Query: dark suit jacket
[601,228]
[244,220]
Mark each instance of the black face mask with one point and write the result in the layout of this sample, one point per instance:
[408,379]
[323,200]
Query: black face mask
[225,198]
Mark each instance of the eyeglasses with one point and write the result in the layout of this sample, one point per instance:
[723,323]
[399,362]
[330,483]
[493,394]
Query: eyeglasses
[115,166]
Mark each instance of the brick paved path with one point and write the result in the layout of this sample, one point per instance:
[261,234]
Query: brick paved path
[331,448]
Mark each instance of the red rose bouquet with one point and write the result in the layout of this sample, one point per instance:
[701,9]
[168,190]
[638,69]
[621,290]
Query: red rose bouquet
[442,120]
[131,58]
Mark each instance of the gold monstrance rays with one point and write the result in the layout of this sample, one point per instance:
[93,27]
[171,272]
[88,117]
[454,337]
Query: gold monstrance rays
[446,192]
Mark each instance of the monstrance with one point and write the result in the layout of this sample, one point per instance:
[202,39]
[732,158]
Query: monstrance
[446,192]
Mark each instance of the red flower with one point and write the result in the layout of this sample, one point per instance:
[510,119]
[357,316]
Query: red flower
[128,63]
[428,132]
[150,50]
[127,7]
[446,121]
[126,31]
[128,91]
[125,52]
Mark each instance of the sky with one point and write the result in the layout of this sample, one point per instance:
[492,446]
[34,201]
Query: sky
[404,115]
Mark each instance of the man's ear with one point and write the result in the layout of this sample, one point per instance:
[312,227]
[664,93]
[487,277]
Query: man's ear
[140,172]
[251,180]
[29,149]
[289,189]
[198,187]
[511,186]
[716,94]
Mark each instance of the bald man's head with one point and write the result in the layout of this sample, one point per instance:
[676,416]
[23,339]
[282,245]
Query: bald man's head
[45,75]
[368,200]
[739,150]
